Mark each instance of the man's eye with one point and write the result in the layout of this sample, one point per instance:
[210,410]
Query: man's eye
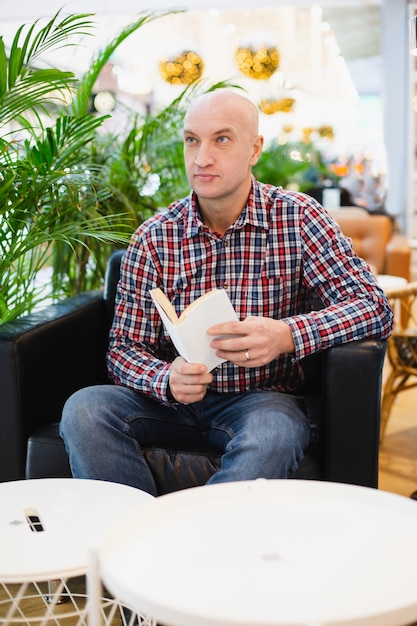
[222,139]
[189,140]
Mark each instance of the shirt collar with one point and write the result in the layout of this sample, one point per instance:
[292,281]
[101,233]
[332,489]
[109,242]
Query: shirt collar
[255,211]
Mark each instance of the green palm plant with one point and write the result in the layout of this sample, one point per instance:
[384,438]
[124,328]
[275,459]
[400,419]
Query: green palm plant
[69,191]
[51,190]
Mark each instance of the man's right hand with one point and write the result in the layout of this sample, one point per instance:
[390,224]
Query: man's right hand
[188,382]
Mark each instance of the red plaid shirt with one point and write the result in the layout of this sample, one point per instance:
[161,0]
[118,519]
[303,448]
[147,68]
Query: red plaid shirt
[282,253]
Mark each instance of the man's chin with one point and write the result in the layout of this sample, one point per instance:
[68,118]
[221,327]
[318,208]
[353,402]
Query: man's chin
[208,191]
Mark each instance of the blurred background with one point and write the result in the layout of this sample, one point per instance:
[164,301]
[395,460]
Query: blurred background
[338,75]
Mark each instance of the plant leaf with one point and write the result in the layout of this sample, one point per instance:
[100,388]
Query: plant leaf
[3,68]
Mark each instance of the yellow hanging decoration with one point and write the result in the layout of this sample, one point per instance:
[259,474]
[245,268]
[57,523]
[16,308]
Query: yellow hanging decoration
[326,131]
[269,106]
[259,64]
[183,70]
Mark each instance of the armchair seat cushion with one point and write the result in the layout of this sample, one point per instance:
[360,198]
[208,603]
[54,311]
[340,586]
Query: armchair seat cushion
[46,455]
[172,470]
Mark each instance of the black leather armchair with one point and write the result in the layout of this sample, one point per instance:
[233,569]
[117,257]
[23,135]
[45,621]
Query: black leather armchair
[47,355]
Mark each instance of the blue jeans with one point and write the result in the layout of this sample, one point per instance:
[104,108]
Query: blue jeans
[261,434]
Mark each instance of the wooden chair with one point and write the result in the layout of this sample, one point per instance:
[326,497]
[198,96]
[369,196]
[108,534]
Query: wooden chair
[401,349]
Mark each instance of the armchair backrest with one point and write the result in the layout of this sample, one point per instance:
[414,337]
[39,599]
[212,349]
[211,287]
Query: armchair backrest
[374,239]
[370,234]
[110,283]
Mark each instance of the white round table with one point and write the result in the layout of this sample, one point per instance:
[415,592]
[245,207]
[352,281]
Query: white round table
[387,282]
[268,552]
[47,528]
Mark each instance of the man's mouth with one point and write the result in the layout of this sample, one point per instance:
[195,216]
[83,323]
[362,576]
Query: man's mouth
[204,175]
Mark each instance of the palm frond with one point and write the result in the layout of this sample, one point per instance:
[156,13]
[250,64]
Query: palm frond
[24,87]
[15,63]
[33,92]
[3,68]
[56,34]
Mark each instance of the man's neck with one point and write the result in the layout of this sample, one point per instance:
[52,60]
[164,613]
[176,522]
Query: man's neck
[219,222]
[218,214]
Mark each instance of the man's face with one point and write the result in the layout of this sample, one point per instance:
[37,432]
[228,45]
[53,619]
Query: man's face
[220,146]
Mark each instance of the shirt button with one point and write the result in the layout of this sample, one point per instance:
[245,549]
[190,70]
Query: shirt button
[225,286]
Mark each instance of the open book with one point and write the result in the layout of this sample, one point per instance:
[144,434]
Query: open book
[189,331]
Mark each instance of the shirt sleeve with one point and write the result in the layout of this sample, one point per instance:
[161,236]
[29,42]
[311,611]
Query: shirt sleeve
[138,357]
[354,306]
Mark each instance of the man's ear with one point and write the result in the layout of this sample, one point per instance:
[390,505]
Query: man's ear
[257,149]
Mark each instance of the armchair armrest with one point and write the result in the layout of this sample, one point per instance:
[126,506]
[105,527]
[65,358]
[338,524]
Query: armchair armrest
[44,357]
[352,378]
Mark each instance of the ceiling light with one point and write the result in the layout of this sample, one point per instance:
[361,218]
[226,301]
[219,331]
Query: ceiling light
[103,102]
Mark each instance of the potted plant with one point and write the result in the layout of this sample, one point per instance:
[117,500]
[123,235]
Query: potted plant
[53,190]
[69,191]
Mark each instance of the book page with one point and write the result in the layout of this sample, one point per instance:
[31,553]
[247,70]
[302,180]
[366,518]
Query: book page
[189,336]
[162,302]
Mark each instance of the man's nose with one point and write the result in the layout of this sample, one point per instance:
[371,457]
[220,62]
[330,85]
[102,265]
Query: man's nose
[203,156]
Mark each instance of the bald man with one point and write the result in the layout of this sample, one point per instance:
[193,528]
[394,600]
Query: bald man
[275,252]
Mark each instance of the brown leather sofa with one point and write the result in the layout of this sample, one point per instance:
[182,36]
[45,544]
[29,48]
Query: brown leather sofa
[374,239]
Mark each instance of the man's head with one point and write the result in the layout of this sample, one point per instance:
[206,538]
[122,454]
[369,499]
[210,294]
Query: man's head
[221,144]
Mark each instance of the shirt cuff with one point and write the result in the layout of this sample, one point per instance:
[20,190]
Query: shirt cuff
[160,386]
[305,335]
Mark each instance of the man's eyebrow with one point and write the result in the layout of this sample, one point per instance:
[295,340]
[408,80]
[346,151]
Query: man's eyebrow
[222,131]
